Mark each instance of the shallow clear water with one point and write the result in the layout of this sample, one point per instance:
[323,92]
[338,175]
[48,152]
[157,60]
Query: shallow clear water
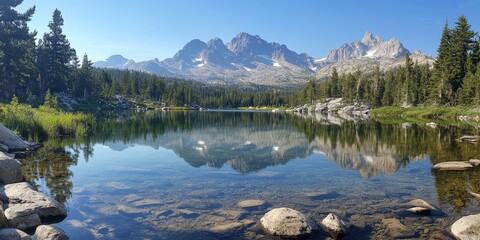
[180,175]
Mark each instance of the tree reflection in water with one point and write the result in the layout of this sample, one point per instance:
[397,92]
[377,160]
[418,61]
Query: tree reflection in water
[48,169]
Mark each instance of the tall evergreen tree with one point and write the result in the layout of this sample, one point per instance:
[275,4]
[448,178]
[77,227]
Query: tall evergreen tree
[442,75]
[85,78]
[335,86]
[461,46]
[58,55]
[17,48]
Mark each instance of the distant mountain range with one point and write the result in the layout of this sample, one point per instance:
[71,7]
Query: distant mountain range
[248,59]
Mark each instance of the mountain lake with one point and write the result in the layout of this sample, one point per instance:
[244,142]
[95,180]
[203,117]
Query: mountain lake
[186,175]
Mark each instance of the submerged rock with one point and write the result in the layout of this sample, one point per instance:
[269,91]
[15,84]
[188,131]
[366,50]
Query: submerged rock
[320,195]
[455,166]
[421,203]
[249,204]
[26,208]
[395,229]
[227,228]
[334,225]
[287,222]
[467,228]
[48,232]
[10,169]
[13,234]
[420,210]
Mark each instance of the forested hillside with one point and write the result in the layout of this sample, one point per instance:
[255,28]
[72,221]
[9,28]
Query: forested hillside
[454,79]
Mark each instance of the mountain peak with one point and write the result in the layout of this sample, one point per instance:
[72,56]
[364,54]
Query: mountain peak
[116,58]
[370,40]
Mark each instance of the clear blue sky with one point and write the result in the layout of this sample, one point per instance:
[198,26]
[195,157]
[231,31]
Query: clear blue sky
[143,30]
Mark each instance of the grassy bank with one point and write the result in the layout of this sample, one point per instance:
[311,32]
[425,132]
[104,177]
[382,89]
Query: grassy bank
[42,122]
[426,112]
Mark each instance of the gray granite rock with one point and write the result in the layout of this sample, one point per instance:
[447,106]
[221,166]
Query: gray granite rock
[26,207]
[49,232]
[287,222]
[10,169]
[334,225]
[455,166]
[467,228]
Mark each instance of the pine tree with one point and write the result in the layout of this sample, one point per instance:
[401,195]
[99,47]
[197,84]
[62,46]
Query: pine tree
[335,88]
[461,45]
[85,81]
[441,74]
[17,48]
[58,55]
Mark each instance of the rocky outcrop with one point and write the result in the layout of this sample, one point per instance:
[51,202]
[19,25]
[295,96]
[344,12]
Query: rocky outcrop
[10,169]
[454,166]
[27,208]
[334,105]
[21,207]
[287,222]
[467,228]
[334,225]
[13,234]
[49,232]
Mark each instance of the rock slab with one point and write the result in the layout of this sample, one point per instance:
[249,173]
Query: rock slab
[26,208]
[10,169]
[287,222]
[11,140]
[48,232]
[334,225]
[467,228]
[455,166]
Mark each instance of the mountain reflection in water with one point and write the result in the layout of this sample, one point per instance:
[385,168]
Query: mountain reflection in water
[251,141]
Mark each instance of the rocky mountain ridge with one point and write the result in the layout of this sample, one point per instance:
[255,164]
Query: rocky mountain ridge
[249,59]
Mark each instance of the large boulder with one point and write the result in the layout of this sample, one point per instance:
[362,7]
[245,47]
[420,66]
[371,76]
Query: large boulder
[334,225]
[287,222]
[455,166]
[27,208]
[467,228]
[12,140]
[13,234]
[49,232]
[10,169]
